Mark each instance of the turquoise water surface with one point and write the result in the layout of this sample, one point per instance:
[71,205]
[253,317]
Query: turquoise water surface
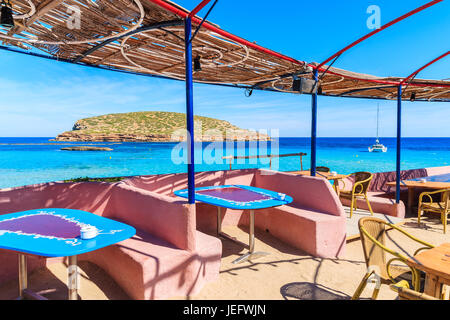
[34,160]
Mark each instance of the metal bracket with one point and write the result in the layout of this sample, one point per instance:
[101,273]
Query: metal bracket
[203,20]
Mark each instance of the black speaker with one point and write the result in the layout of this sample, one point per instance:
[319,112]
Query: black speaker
[197,64]
[304,85]
[6,18]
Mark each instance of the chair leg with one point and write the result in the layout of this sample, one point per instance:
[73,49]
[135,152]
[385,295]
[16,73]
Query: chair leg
[419,215]
[351,208]
[444,221]
[375,293]
[361,286]
[368,204]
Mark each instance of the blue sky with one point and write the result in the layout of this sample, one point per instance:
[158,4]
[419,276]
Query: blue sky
[44,98]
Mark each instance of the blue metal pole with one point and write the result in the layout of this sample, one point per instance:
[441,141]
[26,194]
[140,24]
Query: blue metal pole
[399,137]
[189,110]
[314,127]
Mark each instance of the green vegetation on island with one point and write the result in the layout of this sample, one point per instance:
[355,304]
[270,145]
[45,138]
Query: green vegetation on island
[154,126]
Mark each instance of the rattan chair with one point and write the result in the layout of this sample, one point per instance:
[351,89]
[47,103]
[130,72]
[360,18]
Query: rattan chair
[373,234]
[442,207]
[323,169]
[405,293]
[359,190]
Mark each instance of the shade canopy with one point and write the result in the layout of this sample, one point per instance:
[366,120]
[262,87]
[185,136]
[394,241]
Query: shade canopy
[147,37]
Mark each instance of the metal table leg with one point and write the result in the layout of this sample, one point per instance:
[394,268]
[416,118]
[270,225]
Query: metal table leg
[411,196]
[24,293]
[23,281]
[73,278]
[251,254]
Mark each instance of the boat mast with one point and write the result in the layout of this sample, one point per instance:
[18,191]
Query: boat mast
[378,114]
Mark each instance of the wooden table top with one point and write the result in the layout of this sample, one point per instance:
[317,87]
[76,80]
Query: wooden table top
[418,184]
[435,261]
[326,175]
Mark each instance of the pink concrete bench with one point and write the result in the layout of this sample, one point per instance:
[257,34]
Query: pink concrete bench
[168,256]
[314,222]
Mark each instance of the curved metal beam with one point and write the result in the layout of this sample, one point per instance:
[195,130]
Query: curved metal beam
[387,25]
[415,73]
[183,14]
[158,25]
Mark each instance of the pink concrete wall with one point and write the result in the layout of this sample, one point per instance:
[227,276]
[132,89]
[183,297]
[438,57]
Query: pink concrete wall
[433,171]
[381,178]
[379,204]
[206,214]
[168,218]
[166,184]
[310,192]
[92,197]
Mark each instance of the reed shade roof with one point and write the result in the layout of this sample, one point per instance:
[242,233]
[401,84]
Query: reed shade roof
[142,37]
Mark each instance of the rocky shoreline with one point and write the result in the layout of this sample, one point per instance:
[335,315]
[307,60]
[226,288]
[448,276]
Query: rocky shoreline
[86,148]
[78,137]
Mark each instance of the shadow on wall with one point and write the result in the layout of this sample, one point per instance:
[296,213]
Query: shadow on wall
[380,179]
[92,197]
[166,184]
[310,291]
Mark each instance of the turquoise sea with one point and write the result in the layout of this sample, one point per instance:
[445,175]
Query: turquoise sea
[34,160]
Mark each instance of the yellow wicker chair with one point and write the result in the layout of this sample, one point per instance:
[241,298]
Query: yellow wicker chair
[373,234]
[405,293]
[359,190]
[442,207]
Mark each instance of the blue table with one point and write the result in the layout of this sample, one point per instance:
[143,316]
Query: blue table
[239,197]
[56,233]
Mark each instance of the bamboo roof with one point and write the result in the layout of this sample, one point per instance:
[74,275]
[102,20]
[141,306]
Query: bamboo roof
[147,37]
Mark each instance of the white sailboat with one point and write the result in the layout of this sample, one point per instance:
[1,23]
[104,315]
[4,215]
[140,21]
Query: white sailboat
[377,146]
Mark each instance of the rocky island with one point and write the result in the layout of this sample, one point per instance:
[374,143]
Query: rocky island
[86,148]
[154,126]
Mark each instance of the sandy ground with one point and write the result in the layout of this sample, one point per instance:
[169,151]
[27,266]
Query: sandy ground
[286,273]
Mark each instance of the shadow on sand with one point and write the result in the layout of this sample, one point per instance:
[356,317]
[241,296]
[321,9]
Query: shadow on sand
[310,291]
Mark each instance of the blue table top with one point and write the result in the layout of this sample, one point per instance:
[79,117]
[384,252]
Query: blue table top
[437,178]
[56,232]
[238,197]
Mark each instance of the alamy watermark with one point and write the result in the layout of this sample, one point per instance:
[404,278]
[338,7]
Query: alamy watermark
[215,147]
[374,20]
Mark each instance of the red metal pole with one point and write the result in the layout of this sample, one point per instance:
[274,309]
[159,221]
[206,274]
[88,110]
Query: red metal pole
[198,8]
[424,67]
[387,25]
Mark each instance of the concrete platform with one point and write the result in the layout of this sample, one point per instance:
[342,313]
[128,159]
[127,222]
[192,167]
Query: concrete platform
[352,224]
